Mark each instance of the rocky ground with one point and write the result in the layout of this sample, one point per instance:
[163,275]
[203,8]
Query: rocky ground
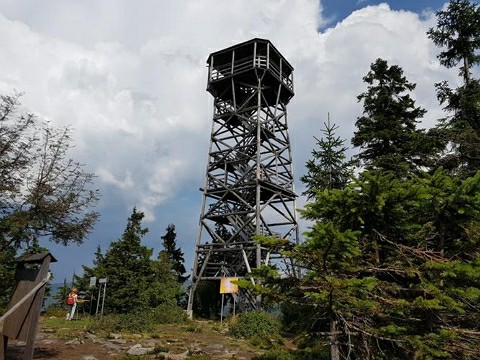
[172,342]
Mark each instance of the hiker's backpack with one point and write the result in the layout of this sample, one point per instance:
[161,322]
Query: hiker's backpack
[70,300]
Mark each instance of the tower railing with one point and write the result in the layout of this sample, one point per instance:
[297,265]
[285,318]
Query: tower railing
[218,72]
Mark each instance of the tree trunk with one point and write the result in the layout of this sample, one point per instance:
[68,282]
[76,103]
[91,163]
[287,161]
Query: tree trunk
[334,348]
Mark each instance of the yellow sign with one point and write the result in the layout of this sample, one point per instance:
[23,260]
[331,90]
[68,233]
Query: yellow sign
[227,286]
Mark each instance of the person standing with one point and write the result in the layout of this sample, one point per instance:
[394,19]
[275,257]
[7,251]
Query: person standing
[72,303]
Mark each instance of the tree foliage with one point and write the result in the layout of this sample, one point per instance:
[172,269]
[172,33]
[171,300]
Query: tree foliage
[387,133]
[135,281]
[43,193]
[458,33]
[328,167]
[174,254]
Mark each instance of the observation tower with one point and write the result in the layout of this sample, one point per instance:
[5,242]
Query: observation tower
[249,187]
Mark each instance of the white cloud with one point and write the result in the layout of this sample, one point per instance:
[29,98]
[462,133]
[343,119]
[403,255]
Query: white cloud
[130,77]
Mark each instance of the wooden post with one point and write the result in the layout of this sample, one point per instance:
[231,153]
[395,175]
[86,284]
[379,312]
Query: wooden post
[26,302]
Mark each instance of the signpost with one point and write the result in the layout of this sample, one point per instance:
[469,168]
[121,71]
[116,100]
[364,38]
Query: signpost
[102,283]
[228,286]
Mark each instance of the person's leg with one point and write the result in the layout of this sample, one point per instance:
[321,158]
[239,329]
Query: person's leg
[72,312]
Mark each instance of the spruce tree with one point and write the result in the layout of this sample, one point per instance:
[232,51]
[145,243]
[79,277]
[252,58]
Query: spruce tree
[174,254]
[128,269]
[458,34]
[391,267]
[387,133]
[328,168]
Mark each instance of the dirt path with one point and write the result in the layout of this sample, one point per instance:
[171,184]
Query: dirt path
[175,340]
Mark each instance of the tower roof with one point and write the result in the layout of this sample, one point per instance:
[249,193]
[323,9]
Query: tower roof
[246,47]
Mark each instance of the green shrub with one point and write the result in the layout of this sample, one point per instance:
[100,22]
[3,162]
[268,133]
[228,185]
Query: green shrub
[255,324]
[138,322]
[169,314]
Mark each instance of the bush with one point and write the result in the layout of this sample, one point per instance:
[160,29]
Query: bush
[140,321]
[127,323]
[169,314]
[256,324]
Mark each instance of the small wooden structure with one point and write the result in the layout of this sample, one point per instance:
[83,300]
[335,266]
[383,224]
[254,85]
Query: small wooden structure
[23,312]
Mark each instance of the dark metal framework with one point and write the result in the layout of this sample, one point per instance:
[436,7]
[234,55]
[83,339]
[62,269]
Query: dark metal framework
[249,186]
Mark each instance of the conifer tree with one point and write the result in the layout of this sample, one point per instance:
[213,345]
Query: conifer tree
[390,268]
[62,294]
[458,34]
[128,269]
[174,254]
[166,289]
[387,133]
[328,168]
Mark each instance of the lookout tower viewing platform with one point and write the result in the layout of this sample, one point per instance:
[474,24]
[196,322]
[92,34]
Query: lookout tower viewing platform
[242,61]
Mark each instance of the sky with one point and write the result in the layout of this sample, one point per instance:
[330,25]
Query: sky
[130,76]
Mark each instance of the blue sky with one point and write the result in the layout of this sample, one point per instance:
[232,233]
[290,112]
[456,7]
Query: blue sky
[131,82]
[340,9]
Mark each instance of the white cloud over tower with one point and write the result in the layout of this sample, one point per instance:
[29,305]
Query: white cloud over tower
[130,77]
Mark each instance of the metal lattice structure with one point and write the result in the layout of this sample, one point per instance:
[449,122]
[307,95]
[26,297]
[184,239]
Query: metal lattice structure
[249,187]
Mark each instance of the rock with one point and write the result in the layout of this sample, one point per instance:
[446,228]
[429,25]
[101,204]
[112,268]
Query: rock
[137,351]
[73,342]
[90,336]
[216,347]
[89,357]
[114,336]
[111,346]
[150,343]
[118,341]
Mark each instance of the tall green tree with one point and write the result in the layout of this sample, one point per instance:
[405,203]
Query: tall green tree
[387,133]
[328,167]
[166,289]
[128,269]
[44,194]
[174,254]
[135,281]
[386,275]
[458,34]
